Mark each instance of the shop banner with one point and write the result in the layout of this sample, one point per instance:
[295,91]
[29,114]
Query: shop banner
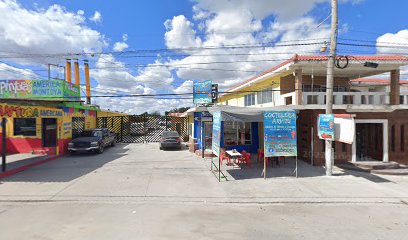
[216,135]
[46,89]
[325,126]
[202,92]
[280,137]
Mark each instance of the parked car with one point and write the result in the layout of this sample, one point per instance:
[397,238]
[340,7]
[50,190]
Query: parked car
[170,139]
[92,140]
[137,128]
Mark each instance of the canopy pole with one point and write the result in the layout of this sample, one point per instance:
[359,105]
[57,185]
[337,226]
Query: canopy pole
[264,171]
[296,166]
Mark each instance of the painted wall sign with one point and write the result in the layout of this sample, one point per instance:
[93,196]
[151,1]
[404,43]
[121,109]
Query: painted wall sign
[325,126]
[202,92]
[47,89]
[28,112]
[280,138]
[216,135]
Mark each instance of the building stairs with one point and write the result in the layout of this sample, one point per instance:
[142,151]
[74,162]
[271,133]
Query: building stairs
[377,167]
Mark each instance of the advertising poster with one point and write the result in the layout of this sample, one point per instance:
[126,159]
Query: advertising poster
[202,92]
[280,138]
[325,126]
[216,135]
[50,89]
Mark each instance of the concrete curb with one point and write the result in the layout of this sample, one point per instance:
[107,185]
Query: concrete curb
[23,168]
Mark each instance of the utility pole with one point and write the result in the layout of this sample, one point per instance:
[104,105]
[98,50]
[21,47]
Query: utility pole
[329,83]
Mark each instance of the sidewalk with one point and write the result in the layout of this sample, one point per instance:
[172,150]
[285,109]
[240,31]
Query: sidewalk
[19,162]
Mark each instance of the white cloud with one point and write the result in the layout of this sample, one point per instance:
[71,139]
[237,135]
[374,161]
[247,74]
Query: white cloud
[398,40]
[120,46]
[45,31]
[124,37]
[185,87]
[180,33]
[10,72]
[96,17]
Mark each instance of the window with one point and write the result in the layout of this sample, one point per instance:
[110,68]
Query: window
[312,99]
[249,99]
[237,133]
[264,96]
[24,126]
[402,137]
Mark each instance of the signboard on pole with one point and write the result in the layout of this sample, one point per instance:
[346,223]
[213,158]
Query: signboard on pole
[280,138]
[216,134]
[39,89]
[214,93]
[202,92]
[325,126]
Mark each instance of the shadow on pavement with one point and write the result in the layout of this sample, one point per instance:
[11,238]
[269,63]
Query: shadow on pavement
[285,170]
[15,161]
[69,167]
[305,170]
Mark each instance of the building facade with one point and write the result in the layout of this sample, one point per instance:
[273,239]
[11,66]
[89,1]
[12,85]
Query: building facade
[379,108]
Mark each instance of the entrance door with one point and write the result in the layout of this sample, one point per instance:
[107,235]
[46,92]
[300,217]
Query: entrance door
[369,141]
[49,132]
[208,134]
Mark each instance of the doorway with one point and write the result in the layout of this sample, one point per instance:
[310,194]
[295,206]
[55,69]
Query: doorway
[208,134]
[370,141]
[49,132]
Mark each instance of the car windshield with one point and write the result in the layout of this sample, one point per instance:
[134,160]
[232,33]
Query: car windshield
[170,134]
[95,133]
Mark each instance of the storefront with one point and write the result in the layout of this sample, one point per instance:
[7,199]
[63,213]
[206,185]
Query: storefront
[33,128]
[234,135]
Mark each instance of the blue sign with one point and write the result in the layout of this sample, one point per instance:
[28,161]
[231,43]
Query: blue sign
[326,126]
[280,138]
[202,92]
[216,134]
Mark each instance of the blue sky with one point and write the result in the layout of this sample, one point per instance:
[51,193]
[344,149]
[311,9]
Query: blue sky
[163,24]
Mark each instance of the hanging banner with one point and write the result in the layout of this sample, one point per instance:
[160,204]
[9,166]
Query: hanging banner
[280,138]
[344,129]
[202,92]
[216,134]
[325,126]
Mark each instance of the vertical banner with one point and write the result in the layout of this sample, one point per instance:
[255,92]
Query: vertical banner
[216,135]
[202,92]
[280,138]
[325,126]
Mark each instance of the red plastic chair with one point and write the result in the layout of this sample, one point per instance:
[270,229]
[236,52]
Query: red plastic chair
[224,156]
[261,157]
[246,158]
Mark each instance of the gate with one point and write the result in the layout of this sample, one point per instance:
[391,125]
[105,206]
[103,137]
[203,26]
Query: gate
[78,126]
[143,128]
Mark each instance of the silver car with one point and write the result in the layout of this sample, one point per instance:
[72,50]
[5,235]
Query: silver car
[170,139]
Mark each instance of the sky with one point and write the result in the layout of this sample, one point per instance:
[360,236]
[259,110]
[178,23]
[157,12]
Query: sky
[161,46]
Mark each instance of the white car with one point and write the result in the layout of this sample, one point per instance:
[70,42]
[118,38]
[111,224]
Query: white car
[137,129]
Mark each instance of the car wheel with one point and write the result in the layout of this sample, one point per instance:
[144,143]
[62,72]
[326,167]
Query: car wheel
[100,149]
[161,148]
[113,143]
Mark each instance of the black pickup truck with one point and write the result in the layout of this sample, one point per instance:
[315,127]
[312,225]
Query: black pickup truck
[92,140]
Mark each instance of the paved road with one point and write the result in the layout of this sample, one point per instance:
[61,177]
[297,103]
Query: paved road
[136,191]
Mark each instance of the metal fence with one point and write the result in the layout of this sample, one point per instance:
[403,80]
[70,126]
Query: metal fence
[78,126]
[143,128]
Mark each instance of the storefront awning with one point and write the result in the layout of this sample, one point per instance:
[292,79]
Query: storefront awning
[244,114]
